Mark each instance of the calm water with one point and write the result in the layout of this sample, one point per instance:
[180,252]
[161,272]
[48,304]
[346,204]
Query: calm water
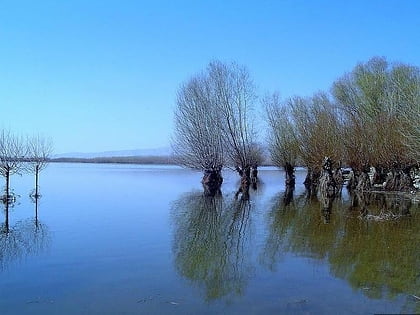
[117,239]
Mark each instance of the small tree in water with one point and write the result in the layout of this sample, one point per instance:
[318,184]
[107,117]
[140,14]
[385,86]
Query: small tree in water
[198,141]
[318,133]
[283,145]
[39,152]
[235,97]
[12,153]
[213,125]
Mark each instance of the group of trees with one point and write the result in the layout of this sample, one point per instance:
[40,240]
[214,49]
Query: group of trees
[18,154]
[369,120]
[214,125]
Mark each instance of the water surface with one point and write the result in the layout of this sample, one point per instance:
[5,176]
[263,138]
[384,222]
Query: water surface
[124,239]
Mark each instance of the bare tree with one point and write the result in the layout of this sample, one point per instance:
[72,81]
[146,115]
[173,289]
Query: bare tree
[12,153]
[213,125]
[39,152]
[282,141]
[235,97]
[198,141]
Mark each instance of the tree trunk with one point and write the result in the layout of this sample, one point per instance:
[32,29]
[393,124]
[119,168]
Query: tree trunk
[352,182]
[363,182]
[398,180]
[254,174]
[290,174]
[327,184]
[7,185]
[338,178]
[36,181]
[245,183]
[379,176]
[312,179]
[212,181]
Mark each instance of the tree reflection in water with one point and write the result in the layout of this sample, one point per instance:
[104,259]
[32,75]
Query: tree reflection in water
[25,238]
[379,258]
[211,237]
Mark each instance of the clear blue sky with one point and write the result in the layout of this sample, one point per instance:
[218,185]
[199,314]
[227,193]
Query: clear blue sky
[103,75]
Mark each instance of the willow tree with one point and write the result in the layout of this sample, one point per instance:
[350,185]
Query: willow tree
[198,141]
[282,141]
[213,125]
[405,82]
[234,99]
[318,133]
[376,98]
[12,152]
[39,152]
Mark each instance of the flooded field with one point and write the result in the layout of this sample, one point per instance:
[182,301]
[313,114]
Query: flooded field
[125,239]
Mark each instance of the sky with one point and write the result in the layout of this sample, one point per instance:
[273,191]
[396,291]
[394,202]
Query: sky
[103,75]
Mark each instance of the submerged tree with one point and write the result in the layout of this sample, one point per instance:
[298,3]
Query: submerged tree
[318,133]
[377,100]
[39,152]
[235,97]
[12,152]
[213,126]
[198,141]
[405,81]
[283,145]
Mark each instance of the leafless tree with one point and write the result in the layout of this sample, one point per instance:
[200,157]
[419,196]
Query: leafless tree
[198,141]
[39,152]
[235,97]
[213,124]
[282,140]
[12,153]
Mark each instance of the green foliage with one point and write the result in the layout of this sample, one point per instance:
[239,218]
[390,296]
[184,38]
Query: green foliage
[380,105]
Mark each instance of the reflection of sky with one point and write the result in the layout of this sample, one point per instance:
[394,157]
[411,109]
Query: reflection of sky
[111,246]
[100,76]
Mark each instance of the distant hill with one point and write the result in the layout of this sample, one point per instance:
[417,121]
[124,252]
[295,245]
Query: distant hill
[162,151]
[168,160]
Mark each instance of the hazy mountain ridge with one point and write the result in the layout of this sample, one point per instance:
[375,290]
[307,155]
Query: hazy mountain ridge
[162,151]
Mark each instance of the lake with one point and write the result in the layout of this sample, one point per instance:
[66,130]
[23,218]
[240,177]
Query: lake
[137,239]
